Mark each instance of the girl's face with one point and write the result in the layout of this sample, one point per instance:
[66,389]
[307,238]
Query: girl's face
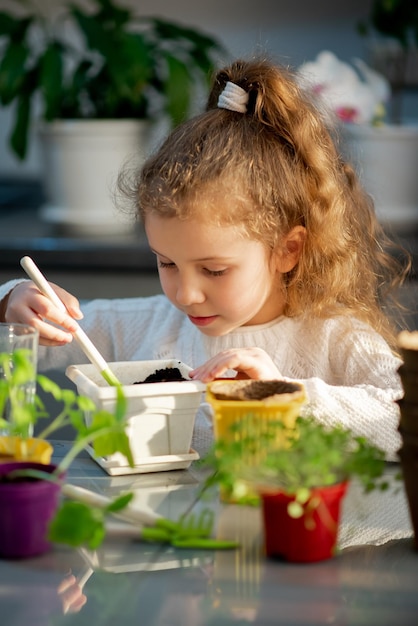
[215,275]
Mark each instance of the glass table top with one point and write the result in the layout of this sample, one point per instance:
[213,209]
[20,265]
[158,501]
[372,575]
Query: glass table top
[373,580]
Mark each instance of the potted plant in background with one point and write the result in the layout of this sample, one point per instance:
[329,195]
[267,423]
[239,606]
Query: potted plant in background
[300,485]
[391,29]
[384,154]
[101,75]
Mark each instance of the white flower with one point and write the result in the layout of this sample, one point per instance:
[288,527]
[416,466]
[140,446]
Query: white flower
[355,95]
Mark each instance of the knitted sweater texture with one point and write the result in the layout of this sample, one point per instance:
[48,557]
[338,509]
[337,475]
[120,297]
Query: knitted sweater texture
[348,370]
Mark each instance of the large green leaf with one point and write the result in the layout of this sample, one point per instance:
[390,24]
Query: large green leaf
[12,71]
[51,74]
[124,61]
[177,89]
[114,438]
[19,136]
[396,18]
[93,30]
[111,13]
[131,67]
[49,386]
[7,24]
[76,524]
[13,27]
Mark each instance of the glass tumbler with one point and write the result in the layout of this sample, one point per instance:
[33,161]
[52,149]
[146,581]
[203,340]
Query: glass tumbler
[18,367]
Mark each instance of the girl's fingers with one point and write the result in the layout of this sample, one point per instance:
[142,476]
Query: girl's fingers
[27,305]
[71,303]
[248,363]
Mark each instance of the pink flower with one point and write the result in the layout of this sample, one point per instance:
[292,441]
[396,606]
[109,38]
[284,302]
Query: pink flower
[355,94]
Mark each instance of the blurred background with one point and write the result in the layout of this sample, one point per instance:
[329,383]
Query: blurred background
[116,263]
[290,31]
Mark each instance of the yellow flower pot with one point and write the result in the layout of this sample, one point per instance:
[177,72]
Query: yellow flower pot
[31,449]
[281,407]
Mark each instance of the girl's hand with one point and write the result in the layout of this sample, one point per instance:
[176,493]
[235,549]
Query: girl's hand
[248,362]
[27,305]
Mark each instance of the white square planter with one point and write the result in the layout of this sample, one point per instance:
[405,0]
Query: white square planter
[160,416]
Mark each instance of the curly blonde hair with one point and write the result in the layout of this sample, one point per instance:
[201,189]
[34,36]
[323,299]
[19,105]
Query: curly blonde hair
[278,166]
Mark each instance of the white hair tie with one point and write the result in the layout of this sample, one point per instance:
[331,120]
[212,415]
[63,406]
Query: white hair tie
[234,98]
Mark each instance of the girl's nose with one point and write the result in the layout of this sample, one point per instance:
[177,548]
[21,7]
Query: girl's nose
[189,293]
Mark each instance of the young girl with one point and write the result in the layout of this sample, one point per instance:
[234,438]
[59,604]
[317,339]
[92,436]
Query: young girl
[269,254]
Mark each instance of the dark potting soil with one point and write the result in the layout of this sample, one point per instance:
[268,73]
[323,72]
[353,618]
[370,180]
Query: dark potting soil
[166,375]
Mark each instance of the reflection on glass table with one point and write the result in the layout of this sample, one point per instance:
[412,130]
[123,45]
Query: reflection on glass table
[372,580]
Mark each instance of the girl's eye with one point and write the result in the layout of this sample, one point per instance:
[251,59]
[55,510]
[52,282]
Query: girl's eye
[165,265]
[215,272]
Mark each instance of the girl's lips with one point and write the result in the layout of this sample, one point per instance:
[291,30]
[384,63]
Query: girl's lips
[202,321]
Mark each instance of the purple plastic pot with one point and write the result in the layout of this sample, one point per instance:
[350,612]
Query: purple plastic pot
[26,507]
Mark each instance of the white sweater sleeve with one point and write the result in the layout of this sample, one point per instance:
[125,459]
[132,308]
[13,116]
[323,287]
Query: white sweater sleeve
[348,370]
[361,389]
[369,411]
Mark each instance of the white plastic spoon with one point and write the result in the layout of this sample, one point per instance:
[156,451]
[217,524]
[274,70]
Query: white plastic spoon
[79,335]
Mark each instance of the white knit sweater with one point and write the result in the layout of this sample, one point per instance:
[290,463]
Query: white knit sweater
[348,370]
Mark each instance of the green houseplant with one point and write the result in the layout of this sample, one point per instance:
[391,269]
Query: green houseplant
[104,63]
[31,514]
[106,83]
[28,487]
[300,484]
[392,26]
[388,156]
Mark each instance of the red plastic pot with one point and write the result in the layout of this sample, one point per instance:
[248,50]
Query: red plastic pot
[26,508]
[310,538]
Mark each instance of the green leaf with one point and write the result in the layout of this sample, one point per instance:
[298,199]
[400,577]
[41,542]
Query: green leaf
[78,421]
[12,71]
[177,89]
[119,503]
[50,76]
[85,403]
[23,369]
[112,14]
[13,27]
[115,442]
[49,386]
[121,404]
[77,524]
[93,29]
[129,67]
[395,18]
[114,438]
[7,24]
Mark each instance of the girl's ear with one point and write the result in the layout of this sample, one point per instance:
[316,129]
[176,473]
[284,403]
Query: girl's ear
[290,249]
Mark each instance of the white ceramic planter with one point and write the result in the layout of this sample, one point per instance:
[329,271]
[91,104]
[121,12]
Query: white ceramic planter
[386,159]
[82,159]
[160,416]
